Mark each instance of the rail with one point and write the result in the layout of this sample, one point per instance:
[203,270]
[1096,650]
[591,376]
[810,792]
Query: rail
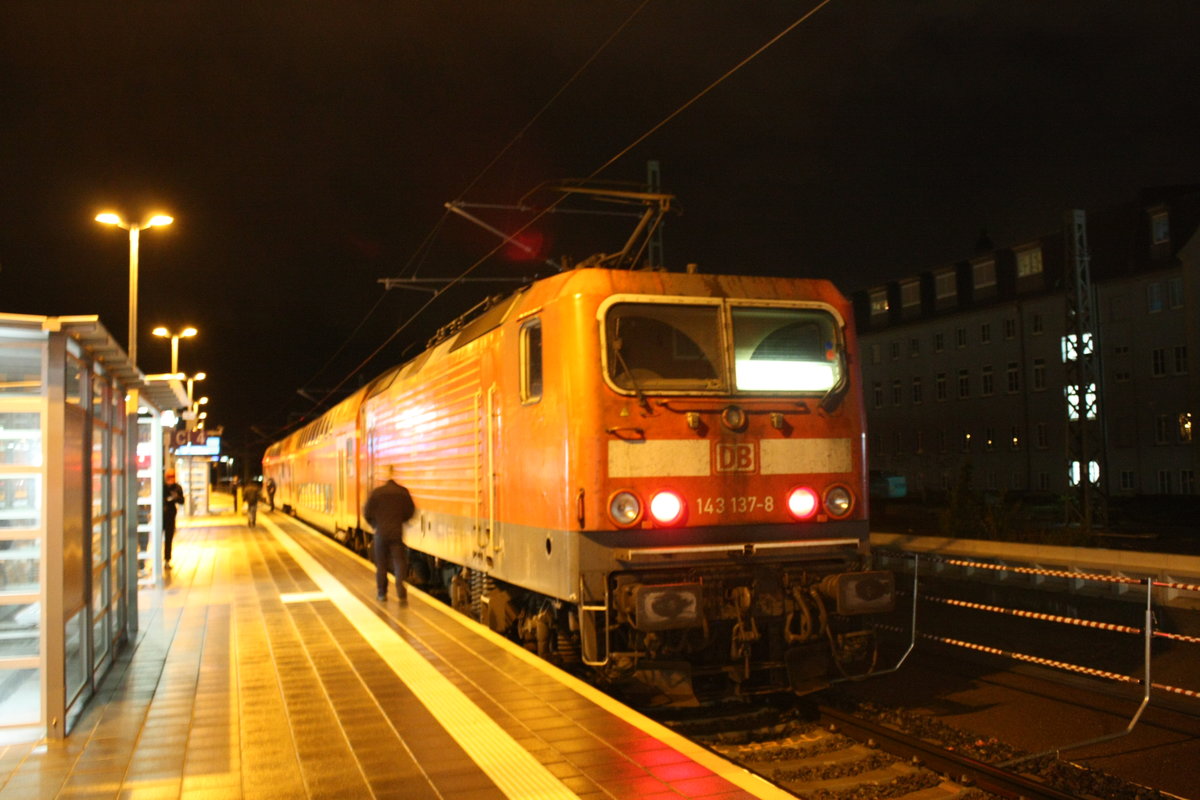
[1147,632]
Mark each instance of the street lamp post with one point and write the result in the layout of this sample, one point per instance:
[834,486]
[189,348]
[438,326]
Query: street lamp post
[199,376]
[174,337]
[109,218]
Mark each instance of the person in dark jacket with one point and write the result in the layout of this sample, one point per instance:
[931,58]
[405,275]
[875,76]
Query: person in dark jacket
[172,500]
[387,509]
[271,492]
[250,495]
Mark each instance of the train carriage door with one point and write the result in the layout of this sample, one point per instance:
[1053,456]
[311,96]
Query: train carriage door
[343,504]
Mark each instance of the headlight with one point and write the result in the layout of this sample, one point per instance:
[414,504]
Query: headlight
[838,501]
[666,508]
[802,502]
[625,508]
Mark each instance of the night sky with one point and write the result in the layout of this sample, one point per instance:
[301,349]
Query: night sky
[306,151]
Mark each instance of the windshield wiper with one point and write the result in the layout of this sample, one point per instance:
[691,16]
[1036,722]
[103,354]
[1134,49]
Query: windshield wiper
[617,346]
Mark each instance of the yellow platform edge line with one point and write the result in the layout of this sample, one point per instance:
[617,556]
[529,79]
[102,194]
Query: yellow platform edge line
[737,775]
[516,772]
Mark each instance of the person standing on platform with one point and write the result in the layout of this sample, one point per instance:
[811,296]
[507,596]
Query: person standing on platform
[172,500]
[250,495]
[271,492]
[388,508]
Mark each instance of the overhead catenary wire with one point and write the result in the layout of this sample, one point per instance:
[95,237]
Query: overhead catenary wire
[608,163]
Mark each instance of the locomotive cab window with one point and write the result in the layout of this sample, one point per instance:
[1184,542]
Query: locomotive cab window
[785,350]
[531,361]
[652,346]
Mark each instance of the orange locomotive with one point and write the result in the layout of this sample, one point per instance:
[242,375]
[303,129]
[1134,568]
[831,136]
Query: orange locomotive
[660,475]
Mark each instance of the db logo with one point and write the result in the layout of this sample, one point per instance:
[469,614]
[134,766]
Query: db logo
[735,458]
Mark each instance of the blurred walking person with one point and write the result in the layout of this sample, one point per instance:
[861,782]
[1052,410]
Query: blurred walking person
[388,508]
[250,495]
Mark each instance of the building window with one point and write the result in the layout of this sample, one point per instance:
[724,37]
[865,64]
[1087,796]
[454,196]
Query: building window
[1014,438]
[1039,374]
[877,393]
[966,441]
[1181,360]
[960,337]
[1010,328]
[941,437]
[1175,292]
[944,285]
[914,347]
[985,333]
[939,383]
[917,394]
[1044,481]
[1187,481]
[910,294]
[874,352]
[984,274]
[1158,362]
[1154,298]
[988,383]
[964,383]
[1162,429]
[899,442]
[1164,481]
[1014,377]
[876,444]
[939,342]
[897,392]
[1029,262]
[1042,436]
[1128,481]
[879,303]
[1185,426]
[1036,324]
[918,442]
[1160,228]
[989,439]
[895,349]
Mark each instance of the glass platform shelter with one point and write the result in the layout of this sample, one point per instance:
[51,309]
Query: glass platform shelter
[81,456]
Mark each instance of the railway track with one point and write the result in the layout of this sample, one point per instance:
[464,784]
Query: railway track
[825,753]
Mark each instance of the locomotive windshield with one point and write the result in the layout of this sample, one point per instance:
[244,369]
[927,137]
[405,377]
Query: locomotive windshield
[785,350]
[665,346]
[678,347]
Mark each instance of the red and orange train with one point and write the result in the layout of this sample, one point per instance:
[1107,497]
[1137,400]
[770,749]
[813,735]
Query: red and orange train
[660,475]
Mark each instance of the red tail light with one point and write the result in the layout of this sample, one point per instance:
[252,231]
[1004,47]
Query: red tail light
[666,508]
[802,502]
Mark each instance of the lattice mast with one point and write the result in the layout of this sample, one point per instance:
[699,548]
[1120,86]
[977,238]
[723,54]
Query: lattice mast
[1087,504]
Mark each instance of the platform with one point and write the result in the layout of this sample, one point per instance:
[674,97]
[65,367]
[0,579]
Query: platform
[265,668]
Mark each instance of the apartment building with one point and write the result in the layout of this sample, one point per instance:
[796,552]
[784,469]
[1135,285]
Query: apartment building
[966,364]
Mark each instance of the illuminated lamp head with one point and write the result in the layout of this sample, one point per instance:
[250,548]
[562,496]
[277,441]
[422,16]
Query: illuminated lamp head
[666,507]
[802,502]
